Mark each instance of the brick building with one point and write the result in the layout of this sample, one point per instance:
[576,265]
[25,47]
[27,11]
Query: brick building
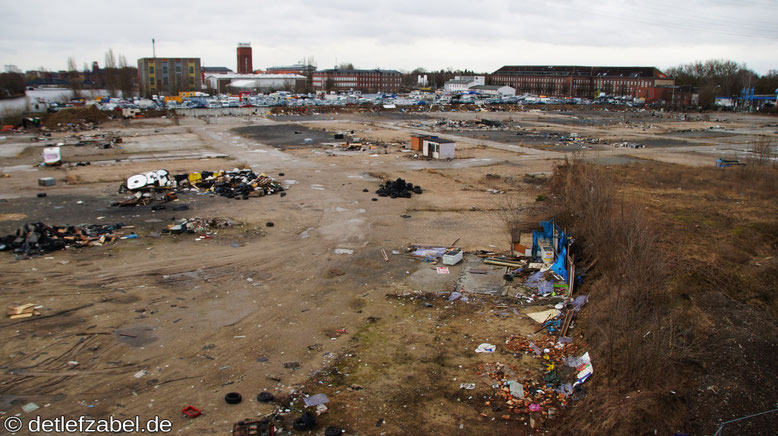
[579,81]
[361,80]
[168,76]
[682,96]
[245,65]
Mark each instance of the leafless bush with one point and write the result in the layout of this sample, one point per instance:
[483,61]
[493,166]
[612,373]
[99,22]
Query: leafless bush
[511,211]
[625,322]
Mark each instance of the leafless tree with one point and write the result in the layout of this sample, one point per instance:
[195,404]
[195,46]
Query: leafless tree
[110,74]
[74,77]
[127,75]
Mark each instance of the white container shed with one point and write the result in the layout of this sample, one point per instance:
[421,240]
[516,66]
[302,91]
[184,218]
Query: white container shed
[438,148]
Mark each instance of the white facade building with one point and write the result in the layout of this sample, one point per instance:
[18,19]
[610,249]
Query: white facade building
[463,83]
[496,90]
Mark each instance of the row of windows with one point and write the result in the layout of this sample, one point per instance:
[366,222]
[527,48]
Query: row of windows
[597,81]
[165,69]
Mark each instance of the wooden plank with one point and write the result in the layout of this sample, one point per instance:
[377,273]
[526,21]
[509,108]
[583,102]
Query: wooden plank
[502,263]
[568,320]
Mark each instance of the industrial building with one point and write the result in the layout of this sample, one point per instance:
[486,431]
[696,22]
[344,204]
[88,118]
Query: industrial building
[579,81]
[245,65]
[237,83]
[168,76]
[362,80]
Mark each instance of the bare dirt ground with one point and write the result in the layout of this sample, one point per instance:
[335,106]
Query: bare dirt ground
[150,325]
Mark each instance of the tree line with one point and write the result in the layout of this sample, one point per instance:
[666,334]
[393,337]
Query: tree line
[722,78]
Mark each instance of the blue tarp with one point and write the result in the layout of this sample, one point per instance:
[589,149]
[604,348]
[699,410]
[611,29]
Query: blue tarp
[561,248]
[559,266]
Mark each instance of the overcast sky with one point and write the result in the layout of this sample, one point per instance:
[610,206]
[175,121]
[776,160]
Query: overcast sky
[398,34]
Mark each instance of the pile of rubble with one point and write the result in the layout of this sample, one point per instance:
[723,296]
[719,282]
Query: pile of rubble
[398,188]
[159,185]
[38,238]
[538,398]
[230,184]
[199,225]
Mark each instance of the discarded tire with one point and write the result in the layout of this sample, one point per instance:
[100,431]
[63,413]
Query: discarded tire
[41,194]
[365,190]
[508,277]
[332,431]
[233,398]
[374,199]
[265,397]
[306,421]
[398,189]
[269,224]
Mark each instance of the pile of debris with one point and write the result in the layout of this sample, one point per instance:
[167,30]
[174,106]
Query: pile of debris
[398,188]
[38,238]
[75,119]
[231,184]
[199,225]
[539,398]
[158,185]
[563,372]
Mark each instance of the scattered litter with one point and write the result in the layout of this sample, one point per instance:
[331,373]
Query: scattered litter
[468,386]
[315,400]
[343,251]
[30,407]
[191,412]
[293,365]
[517,389]
[22,311]
[485,348]
[140,373]
[442,270]
[34,239]
[541,317]
[199,225]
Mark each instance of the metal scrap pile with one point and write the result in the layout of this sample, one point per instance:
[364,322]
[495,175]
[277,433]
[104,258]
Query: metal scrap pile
[158,185]
[38,238]
[398,188]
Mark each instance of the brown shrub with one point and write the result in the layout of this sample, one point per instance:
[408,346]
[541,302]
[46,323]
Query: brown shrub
[627,319]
